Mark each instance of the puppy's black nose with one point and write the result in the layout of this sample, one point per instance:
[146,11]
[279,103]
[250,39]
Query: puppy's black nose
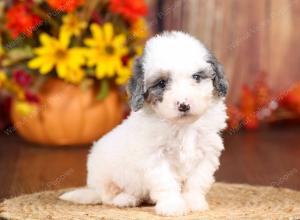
[183,107]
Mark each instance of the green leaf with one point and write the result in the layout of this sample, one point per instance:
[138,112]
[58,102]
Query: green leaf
[18,54]
[103,90]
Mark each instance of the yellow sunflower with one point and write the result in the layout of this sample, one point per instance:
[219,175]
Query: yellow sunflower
[55,53]
[25,108]
[124,72]
[105,50]
[12,86]
[1,46]
[72,25]
[1,50]
[3,78]
[75,75]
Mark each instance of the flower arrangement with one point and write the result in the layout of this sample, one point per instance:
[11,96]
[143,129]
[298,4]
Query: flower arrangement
[82,42]
[259,105]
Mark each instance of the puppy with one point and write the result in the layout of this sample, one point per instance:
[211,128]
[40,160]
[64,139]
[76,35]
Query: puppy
[167,151]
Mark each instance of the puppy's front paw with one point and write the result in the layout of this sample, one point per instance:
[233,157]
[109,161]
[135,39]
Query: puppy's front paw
[172,206]
[196,202]
[83,196]
[125,200]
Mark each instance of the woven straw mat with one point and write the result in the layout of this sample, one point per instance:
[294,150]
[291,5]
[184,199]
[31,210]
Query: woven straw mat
[227,201]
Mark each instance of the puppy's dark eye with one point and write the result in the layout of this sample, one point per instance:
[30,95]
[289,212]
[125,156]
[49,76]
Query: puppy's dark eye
[161,83]
[197,77]
[200,75]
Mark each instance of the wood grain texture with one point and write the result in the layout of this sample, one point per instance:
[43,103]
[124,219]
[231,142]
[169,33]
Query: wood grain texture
[248,36]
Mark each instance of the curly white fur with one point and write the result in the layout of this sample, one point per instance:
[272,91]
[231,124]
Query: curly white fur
[158,154]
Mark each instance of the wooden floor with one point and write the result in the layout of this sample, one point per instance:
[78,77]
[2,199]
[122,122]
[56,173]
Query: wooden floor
[265,157]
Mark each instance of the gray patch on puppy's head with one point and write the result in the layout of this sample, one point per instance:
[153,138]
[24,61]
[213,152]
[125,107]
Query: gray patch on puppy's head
[157,87]
[154,95]
[219,81]
[135,86]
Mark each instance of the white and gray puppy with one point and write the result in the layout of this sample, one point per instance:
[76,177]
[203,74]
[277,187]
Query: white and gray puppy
[168,149]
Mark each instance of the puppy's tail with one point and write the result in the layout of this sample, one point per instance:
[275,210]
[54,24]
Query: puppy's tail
[82,196]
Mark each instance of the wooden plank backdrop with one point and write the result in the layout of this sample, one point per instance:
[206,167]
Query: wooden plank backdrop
[247,36]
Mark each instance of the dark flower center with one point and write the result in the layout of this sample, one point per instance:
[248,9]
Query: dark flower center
[109,49]
[73,23]
[61,54]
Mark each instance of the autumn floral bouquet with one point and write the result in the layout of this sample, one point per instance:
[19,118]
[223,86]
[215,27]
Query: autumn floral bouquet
[78,41]
[258,105]
[81,49]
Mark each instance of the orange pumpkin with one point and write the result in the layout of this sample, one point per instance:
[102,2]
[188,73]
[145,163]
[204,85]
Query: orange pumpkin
[67,115]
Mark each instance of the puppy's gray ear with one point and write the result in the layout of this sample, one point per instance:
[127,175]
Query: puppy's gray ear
[135,87]
[219,81]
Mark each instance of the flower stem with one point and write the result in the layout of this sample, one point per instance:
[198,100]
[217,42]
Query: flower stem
[46,17]
[88,9]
